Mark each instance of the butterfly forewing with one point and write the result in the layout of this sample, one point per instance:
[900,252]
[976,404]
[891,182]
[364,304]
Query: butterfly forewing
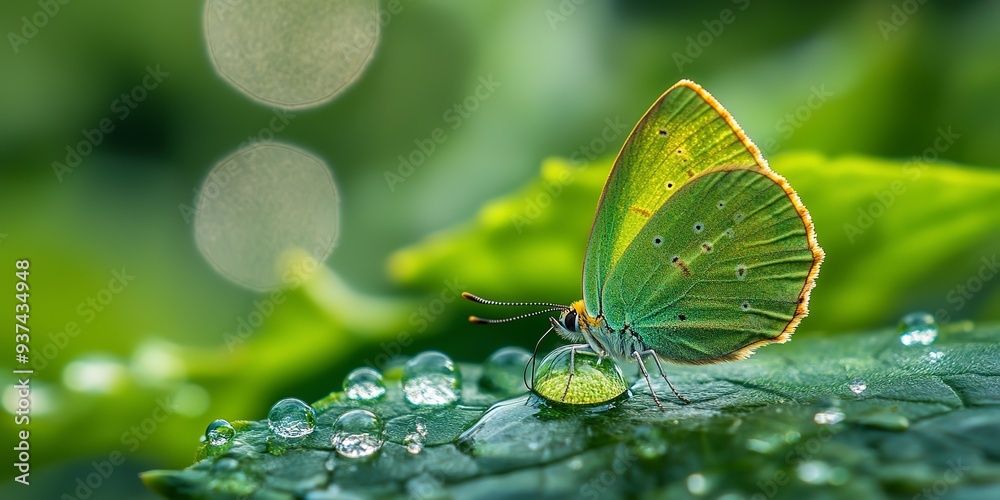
[724,266]
[684,133]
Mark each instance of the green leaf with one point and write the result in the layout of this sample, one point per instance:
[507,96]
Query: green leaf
[928,418]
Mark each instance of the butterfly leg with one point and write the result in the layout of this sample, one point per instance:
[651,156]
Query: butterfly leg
[572,371]
[642,368]
[663,374]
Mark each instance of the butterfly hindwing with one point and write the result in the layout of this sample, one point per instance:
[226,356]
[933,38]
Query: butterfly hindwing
[684,133]
[724,266]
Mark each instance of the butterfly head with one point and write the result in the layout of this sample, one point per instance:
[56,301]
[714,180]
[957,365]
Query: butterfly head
[573,322]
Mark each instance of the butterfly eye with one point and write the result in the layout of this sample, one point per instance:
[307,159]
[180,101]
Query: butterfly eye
[569,321]
[657,240]
[698,227]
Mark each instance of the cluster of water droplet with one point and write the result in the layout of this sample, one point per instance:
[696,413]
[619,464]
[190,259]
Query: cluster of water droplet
[915,329]
[428,379]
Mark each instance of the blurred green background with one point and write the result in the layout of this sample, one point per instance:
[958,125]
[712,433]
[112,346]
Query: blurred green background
[839,95]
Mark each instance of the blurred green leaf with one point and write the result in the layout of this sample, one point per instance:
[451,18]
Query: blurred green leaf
[855,415]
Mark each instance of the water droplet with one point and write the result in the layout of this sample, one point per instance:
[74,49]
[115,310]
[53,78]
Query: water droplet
[934,356]
[291,418]
[358,433]
[594,380]
[829,417]
[430,378]
[330,464]
[219,433]
[504,371]
[696,484]
[575,464]
[917,328]
[414,443]
[858,386]
[364,384]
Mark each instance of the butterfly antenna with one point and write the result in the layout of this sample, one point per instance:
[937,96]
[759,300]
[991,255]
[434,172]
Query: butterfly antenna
[488,302]
[476,319]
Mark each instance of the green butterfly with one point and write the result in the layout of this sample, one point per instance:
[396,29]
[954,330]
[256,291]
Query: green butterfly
[699,252]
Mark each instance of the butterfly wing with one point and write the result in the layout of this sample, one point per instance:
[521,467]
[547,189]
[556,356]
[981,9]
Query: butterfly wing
[724,266]
[684,133]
